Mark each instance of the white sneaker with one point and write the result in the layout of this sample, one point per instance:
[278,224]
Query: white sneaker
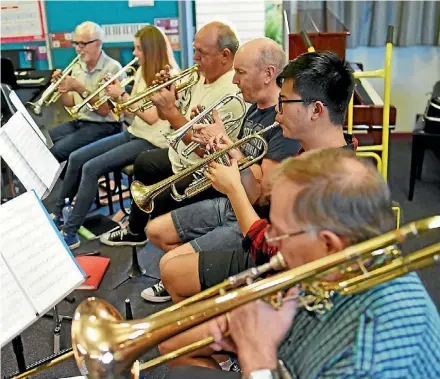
[156,293]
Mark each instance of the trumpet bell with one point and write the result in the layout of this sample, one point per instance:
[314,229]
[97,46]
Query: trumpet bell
[98,333]
[141,196]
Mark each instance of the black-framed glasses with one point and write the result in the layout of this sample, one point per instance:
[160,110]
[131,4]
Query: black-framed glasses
[281,101]
[83,44]
[269,239]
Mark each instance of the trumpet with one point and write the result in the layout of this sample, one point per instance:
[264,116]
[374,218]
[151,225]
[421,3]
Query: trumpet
[193,77]
[144,196]
[231,123]
[51,94]
[107,346]
[73,111]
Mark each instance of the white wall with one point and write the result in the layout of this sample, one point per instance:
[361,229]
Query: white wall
[415,69]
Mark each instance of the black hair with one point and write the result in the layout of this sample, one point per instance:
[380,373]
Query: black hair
[322,76]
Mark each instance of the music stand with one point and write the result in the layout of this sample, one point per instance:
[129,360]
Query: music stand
[136,270]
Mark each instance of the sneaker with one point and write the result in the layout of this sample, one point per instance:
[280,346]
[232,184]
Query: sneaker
[156,294]
[71,240]
[123,237]
[58,221]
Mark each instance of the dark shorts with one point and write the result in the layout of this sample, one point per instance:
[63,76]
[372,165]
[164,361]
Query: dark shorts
[218,266]
[208,225]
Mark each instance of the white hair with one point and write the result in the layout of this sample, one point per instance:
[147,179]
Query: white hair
[96,32]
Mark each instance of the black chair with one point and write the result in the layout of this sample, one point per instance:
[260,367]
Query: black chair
[421,141]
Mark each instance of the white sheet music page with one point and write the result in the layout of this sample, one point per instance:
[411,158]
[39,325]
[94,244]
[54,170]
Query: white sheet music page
[21,168]
[36,253]
[22,109]
[16,311]
[32,148]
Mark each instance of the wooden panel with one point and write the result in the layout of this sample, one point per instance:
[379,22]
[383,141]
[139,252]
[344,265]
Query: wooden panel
[336,42]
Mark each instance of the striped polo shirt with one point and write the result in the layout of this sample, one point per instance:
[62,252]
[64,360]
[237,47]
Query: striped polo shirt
[389,331]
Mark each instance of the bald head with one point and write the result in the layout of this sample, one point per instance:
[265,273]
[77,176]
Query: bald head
[265,52]
[225,37]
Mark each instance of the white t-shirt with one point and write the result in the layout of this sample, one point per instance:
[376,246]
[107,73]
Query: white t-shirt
[206,95]
[139,128]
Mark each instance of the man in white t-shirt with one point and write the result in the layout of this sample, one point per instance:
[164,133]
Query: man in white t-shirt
[214,48]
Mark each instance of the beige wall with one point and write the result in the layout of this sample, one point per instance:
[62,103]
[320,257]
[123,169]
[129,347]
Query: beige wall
[414,72]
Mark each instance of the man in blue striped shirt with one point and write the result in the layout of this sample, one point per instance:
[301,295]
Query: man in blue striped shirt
[322,202]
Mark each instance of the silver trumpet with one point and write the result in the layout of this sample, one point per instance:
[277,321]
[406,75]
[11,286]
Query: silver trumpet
[51,94]
[231,123]
[76,108]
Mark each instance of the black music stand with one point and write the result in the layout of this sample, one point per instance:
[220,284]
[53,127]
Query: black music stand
[136,270]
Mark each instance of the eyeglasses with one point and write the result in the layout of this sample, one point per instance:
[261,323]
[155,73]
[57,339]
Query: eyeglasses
[83,44]
[281,101]
[269,239]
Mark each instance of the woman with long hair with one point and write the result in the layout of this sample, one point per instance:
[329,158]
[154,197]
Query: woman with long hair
[146,132]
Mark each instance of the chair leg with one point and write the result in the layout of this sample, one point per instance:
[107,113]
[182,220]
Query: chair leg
[420,165]
[109,194]
[415,162]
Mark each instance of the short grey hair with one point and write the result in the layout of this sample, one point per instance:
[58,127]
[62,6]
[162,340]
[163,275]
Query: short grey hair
[271,54]
[226,37]
[340,193]
[93,28]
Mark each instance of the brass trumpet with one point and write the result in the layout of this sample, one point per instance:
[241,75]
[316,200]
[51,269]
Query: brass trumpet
[144,196]
[73,111]
[107,346]
[51,94]
[126,106]
[231,123]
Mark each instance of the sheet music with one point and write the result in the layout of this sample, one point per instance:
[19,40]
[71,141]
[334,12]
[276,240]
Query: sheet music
[36,253]
[22,109]
[20,166]
[16,312]
[32,148]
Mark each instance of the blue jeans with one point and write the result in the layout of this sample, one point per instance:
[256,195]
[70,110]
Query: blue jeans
[89,163]
[72,135]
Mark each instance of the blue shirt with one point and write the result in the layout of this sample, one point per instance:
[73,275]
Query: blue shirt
[389,331]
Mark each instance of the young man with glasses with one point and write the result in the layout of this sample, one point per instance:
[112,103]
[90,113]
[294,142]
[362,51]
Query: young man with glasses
[315,91]
[323,202]
[87,75]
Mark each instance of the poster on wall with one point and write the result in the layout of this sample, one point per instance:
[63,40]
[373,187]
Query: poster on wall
[170,26]
[22,21]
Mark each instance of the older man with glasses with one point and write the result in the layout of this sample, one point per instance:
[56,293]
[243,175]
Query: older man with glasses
[87,75]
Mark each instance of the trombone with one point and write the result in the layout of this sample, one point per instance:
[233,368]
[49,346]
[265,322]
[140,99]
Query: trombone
[231,123]
[107,346]
[144,196]
[73,111]
[51,94]
[127,106]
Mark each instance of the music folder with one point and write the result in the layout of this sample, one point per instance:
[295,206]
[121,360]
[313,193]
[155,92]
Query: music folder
[37,268]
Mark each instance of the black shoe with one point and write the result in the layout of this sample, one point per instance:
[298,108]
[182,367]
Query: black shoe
[123,237]
[156,293]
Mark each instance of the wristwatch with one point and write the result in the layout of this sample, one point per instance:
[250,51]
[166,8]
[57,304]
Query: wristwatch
[263,374]
[84,94]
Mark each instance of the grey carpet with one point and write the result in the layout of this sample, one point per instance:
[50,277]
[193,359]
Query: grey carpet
[37,339]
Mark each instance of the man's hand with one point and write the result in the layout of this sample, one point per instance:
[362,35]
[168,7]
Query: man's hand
[68,84]
[114,90]
[250,337]
[221,142]
[203,133]
[224,178]
[163,75]
[56,75]
[164,102]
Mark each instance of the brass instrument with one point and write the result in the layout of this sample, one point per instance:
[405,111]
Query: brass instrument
[231,123]
[73,111]
[51,94]
[107,346]
[144,195]
[126,106]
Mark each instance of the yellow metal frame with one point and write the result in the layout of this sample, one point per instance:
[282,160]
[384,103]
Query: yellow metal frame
[384,73]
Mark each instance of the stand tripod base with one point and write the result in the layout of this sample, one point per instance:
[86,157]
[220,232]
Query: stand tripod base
[135,271]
